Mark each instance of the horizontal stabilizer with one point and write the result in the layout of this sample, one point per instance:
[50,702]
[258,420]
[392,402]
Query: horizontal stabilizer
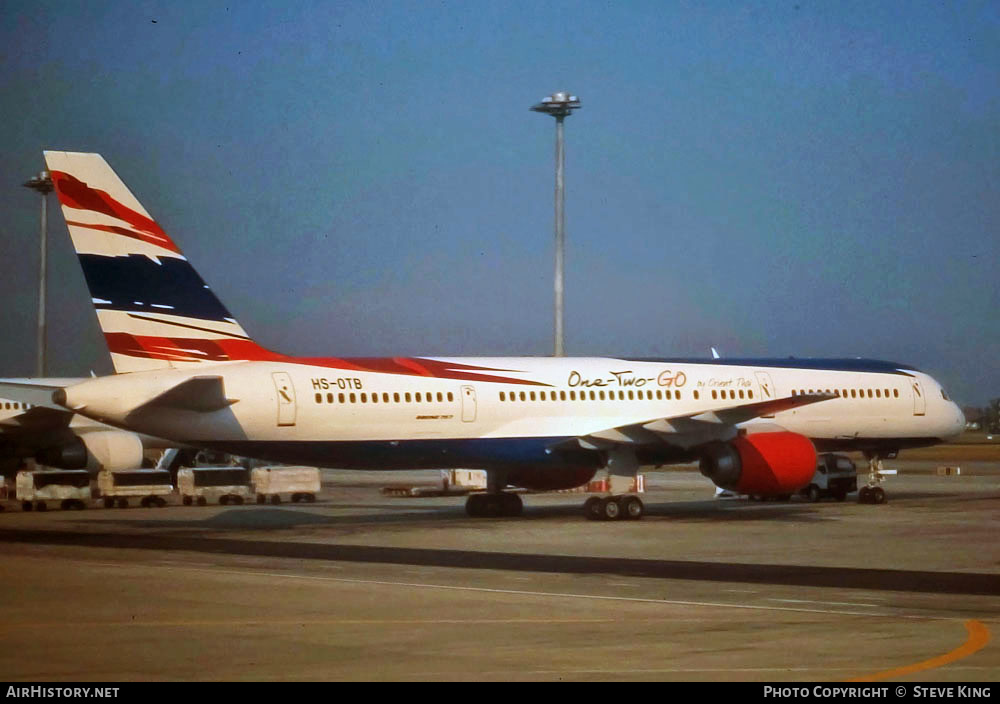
[202,394]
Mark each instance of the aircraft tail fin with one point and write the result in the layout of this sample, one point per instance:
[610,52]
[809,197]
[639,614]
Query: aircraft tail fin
[154,309]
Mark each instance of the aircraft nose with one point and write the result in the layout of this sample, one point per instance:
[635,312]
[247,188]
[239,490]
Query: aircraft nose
[958,421]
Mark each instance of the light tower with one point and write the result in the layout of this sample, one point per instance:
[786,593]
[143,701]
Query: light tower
[43,184]
[559,105]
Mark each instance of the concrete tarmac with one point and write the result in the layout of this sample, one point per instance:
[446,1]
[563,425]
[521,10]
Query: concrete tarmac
[359,586]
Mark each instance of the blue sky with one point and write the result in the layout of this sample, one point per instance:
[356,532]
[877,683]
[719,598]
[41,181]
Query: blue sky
[772,179]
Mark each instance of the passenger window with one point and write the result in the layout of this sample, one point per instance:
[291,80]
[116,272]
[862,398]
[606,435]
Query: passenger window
[601,394]
[895,392]
[677,394]
[562,395]
[374,398]
[713,393]
[572,395]
[522,396]
[532,395]
[502,396]
[329,398]
[405,396]
[319,398]
[695,395]
[340,398]
[364,398]
[593,396]
[354,398]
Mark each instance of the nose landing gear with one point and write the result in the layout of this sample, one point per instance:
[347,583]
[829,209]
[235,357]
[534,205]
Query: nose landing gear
[872,493]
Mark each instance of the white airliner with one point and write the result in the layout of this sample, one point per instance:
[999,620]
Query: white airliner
[187,371]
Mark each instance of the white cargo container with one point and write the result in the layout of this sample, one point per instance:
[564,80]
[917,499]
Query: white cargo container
[223,484]
[71,487]
[149,485]
[271,482]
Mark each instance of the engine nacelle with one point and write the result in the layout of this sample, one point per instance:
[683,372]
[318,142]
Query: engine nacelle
[551,479]
[762,463]
[95,451]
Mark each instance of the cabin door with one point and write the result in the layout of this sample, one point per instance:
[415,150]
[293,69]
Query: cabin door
[919,402]
[286,398]
[767,392]
[468,404]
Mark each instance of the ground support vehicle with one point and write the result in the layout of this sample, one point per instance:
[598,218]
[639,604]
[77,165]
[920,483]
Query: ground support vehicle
[70,487]
[226,485]
[147,485]
[301,483]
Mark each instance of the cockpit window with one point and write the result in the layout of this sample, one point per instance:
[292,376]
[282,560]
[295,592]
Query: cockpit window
[944,395]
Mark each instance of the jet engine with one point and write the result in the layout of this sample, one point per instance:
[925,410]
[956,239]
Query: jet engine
[762,463]
[551,479]
[96,450]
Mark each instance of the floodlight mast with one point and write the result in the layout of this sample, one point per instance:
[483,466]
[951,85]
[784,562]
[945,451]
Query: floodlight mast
[560,106]
[42,183]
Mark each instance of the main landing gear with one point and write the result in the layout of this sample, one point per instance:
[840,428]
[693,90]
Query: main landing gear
[495,502]
[493,505]
[622,466]
[872,493]
[614,508]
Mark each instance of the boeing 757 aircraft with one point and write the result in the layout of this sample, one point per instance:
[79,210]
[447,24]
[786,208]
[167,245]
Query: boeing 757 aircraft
[187,370]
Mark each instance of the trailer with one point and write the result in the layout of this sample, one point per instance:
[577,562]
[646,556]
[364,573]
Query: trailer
[223,484]
[71,487]
[269,483]
[148,485]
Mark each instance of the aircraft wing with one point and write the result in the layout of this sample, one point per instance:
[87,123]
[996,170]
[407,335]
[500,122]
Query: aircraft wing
[690,430]
[37,392]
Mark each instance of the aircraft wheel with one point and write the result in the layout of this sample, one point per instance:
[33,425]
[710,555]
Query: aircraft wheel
[878,495]
[610,509]
[512,505]
[41,506]
[631,508]
[864,495]
[275,499]
[238,500]
[261,499]
[109,502]
[144,502]
[186,500]
[493,505]
[310,498]
[223,500]
[592,509]
[122,503]
[26,506]
[66,505]
[473,506]
[202,501]
[812,493]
